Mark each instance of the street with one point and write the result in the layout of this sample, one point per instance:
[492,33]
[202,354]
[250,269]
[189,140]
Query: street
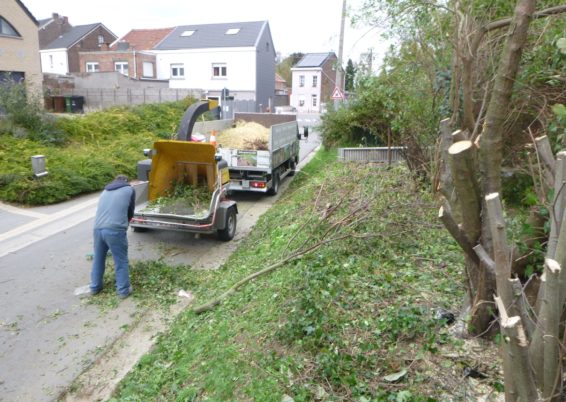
[48,336]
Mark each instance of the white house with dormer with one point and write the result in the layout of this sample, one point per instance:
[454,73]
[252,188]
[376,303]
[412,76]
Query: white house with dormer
[237,56]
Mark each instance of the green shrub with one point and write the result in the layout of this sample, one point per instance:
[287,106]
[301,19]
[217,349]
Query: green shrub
[96,147]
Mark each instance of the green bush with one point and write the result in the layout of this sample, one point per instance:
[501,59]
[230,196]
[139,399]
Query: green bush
[25,117]
[96,147]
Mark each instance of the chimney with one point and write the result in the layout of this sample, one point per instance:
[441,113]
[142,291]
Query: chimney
[55,16]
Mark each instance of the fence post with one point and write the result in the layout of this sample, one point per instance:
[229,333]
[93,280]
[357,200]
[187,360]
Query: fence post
[159,95]
[101,99]
[144,96]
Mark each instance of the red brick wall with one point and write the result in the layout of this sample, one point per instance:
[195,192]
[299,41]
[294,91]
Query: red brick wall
[328,79]
[106,60]
[88,43]
[53,30]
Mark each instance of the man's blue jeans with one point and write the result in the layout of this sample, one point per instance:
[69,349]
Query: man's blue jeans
[117,242]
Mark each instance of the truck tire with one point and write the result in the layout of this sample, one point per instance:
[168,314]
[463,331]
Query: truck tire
[274,183]
[229,230]
[292,167]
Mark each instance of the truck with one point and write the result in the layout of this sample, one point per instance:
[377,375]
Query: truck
[259,170]
[193,165]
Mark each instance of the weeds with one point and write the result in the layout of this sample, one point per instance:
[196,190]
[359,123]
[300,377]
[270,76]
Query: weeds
[335,324]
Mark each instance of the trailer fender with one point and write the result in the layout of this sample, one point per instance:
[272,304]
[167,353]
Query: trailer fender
[223,207]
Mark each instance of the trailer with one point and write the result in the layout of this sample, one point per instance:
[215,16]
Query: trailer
[259,170]
[195,165]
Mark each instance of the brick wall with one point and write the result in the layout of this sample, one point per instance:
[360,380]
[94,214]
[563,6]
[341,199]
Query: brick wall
[88,43]
[53,30]
[328,79]
[106,60]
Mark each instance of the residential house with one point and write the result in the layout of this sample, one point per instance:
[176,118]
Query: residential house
[61,56]
[52,28]
[129,55]
[237,56]
[19,45]
[280,85]
[313,81]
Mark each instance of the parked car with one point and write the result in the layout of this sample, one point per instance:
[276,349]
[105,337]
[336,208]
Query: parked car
[285,110]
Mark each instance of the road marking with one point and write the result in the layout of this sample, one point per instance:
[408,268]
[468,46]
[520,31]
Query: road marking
[21,211]
[47,219]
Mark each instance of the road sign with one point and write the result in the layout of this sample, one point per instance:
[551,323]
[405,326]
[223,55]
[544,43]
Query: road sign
[337,94]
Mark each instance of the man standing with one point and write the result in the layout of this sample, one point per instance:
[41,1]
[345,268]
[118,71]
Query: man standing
[115,209]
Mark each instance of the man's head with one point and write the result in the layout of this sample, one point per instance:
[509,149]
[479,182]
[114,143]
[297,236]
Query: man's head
[121,177]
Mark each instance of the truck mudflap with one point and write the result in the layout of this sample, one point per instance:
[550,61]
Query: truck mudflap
[221,212]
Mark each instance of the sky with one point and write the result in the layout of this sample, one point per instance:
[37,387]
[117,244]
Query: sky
[307,26]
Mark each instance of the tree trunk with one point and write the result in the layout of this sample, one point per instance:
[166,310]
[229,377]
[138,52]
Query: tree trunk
[491,144]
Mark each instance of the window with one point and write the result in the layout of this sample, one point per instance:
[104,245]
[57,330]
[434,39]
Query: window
[177,70]
[187,33]
[314,100]
[51,61]
[92,67]
[301,101]
[314,81]
[100,39]
[232,31]
[219,70]
[121,67]
[7,29]
[148,69]
[301,80]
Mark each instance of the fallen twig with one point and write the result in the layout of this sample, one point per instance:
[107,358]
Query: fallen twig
[211,304]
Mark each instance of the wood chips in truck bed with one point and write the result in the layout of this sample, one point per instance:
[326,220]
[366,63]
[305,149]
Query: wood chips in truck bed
[245,135]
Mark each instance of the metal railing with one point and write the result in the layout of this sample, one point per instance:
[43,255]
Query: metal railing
[374,154]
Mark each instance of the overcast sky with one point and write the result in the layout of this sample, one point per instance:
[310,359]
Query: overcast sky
[306,26]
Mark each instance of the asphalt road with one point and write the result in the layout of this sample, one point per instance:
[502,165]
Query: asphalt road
[48,336]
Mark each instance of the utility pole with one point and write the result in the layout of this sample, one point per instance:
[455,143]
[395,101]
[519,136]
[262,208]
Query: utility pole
[339,72]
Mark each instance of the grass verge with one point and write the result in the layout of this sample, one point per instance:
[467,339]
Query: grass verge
[354,319]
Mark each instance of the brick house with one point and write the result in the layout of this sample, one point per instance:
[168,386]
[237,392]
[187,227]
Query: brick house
[313,81]
[19,45]
[61,56]
[52,28]
[129,55]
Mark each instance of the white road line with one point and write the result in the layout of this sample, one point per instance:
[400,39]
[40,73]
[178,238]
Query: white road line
[47,219]
[21,211]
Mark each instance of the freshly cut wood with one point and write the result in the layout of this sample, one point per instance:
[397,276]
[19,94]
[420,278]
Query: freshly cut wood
[544,151]
[515,349]
[245,135]
[461,164]
[550,320]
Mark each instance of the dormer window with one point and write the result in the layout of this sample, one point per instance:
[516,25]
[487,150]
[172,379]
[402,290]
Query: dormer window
[7,29]
[188,33]
[232,31]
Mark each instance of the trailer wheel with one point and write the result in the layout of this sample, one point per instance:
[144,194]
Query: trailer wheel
[274,183]
[229,230]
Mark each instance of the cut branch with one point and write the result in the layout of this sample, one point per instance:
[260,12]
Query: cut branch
[550,320]
[515,348]
[544,151]
[461,163]
[213,303]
